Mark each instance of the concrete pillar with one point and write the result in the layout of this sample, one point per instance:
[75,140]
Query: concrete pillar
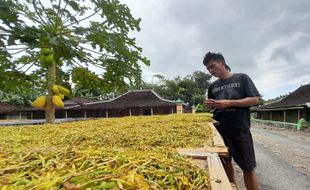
[284,116]
[31,115]
[298,114]
[193,109]
[20,115]
[66,114]
[106,114]
[171,110]
[129,111]
[179,108]
[151,111]
[85,114]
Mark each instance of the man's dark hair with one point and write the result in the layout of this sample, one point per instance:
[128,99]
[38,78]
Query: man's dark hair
[210,56]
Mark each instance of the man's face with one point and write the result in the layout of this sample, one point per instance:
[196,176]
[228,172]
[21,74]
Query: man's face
[216,68]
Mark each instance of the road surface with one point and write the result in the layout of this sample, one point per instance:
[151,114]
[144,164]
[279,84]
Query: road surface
[283,159]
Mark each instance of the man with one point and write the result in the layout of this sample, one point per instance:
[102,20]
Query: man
[231,95]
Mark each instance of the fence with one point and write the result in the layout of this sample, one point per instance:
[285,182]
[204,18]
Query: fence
[275,123]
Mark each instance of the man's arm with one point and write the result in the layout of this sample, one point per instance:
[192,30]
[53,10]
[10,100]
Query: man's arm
[245,102]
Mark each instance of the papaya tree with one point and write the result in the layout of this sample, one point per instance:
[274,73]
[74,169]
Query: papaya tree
[83,42]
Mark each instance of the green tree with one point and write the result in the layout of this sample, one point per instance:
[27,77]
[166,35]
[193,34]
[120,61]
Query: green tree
[20,97]
[85,41]
[191,89]
[202,81]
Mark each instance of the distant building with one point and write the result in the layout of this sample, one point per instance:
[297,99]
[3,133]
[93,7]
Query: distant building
[4,107]
[290,109]
[137,102]
[132,103]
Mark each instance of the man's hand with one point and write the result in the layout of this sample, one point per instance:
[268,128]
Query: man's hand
[222,104]
[209,103]
[245,102]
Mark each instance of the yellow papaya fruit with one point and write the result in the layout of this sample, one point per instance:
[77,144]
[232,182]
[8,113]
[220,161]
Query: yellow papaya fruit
[55,89]
[39,102]
[57,101]
[61,96]
[63,90]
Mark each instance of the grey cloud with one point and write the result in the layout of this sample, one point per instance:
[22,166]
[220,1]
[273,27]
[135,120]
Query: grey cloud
[178,33]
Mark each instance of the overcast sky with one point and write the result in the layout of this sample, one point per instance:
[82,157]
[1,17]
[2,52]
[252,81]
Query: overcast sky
[268,40]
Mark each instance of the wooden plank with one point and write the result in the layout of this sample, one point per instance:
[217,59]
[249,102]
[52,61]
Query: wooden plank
[201,163]
[202,153]
[217,138]
[218,177]
[208,157]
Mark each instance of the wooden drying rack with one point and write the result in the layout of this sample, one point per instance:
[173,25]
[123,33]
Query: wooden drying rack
[209,157]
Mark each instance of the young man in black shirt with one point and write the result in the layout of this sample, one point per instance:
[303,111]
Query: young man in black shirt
[231,95]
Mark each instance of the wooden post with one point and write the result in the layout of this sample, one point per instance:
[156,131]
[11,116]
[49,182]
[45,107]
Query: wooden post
[129,111]
[270,115]
[298,114]
[151,111]
[66,114]
[171,110]
[31,115]
[284,116]
[106,114]
[20,115]
[85,114]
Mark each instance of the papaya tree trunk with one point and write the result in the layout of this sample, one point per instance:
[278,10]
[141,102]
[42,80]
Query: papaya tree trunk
[50,108]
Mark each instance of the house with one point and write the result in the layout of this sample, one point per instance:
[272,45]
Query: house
[34,113]
[132,103]
[290,109]
[4,107]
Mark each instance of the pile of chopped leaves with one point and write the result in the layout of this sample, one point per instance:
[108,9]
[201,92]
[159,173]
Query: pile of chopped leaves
[112,153]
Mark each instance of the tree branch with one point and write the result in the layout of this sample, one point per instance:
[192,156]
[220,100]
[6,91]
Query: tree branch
[58,10]
[31,18]
[45,11]
[67,19]
[16,48]
[19,51]
[64,8]
[29,67]
[93,51]
[36,10]
[83,18]
[15,45]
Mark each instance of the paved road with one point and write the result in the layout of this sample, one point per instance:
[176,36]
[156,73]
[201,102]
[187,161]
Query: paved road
[275,173]
[290,140]
[283,161]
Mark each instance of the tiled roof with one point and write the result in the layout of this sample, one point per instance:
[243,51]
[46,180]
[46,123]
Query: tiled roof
[79,101]
[4,107]
[69,103]
[299,97]
[137,98]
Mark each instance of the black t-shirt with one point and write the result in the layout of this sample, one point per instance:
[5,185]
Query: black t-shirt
[238,86]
